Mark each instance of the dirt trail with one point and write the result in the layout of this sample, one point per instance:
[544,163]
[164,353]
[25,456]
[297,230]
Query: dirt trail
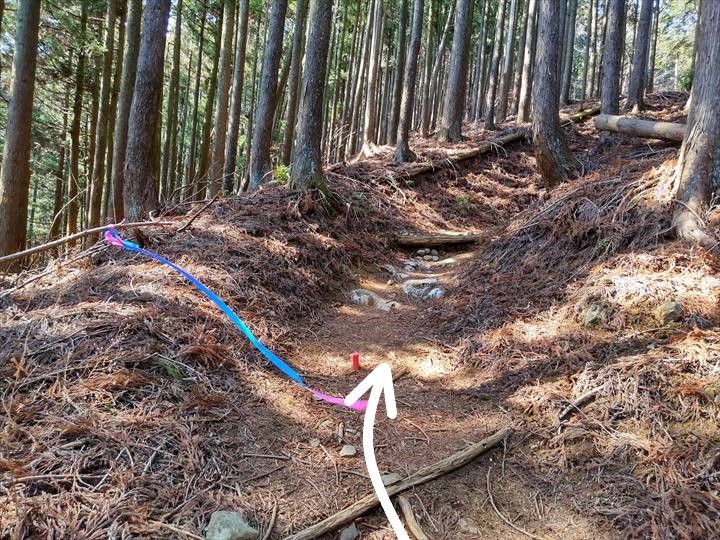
[438,416]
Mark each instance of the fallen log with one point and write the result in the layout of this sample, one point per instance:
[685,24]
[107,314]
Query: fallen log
[431,240]
[426,474]
[649,129]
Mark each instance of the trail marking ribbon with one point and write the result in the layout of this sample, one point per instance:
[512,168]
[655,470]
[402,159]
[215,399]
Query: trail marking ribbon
[113,238]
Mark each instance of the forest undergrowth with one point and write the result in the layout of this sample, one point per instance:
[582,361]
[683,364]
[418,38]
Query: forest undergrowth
[133,408]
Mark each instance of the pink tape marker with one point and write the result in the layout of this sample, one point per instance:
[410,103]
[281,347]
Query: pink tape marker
[360,405]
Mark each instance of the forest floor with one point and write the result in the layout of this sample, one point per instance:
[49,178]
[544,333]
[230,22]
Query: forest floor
[132,408]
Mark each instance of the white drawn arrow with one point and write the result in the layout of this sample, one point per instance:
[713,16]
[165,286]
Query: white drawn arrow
[378,381]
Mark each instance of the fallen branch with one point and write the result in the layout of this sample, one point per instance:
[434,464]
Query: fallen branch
[430,240]
[410,519]
[666,131]
[81,234]
[197,214]
[579,402]
[426,474]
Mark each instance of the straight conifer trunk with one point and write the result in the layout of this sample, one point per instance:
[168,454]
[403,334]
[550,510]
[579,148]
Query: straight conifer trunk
[399,73]
[260,164]
[569,52]
[636,88]
[144,121]
[698,169]
[402,150]
[554,160]
[507,68]
[612,57]
[215,180]
[231,146]
[307,171]
[454,112]
[295,79]
[528,63]
[15,186]
[495,67]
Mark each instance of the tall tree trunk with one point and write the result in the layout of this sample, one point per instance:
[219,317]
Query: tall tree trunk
[698,170]
[338,89]
[588,44]
[181,149]
[593,51]
[479,81]
[425,112]
[98,170]
[528,63]
[353,69]
[202,172]
[231,146]
[612,57]
[294,78]
[75,128]
[15,186]
[260,164]
[251,114]
[569,54]
[602,45]
[108,192]
[370,123]
[521,58]
[457,76]
[495,67]
[127,88]
[507,69]
[554,160]
[435,77]
[2,18]
[221,109]
[650,75]
[192,159]
[307,172]
[636,90]
[402,150]
[399,72]
[168,158]
[144,121]
[56,225]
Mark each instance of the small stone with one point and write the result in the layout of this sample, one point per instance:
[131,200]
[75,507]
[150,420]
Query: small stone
[595,315]
[427,257]
[423,251]
[350,533]
[468,526]
[314,443]
[391,478]
[435,294]
[225,525]
[434,258]
[362,297]
[434,252]
[669,312]
[348,451]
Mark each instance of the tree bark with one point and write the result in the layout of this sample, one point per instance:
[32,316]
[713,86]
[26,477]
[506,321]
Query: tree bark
[507,68]
[127,87]
[425,111]
[435,77]
[144,120]
[698,169]
[56,225]
[231,146]
[402,150]
[521,58]
[294,78]
[15,186]
[221,108]
[523,115]
[666,131]
[192,159]
[451,128]
[75,127]
[307,171]
[612,57]
[171,122]
[495,67]
[260,165]
[370,123]
[650,75]
[479,81]
[569,52]
[399,72]
[98,170]
[554,160]
[588,43]
[636,90]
